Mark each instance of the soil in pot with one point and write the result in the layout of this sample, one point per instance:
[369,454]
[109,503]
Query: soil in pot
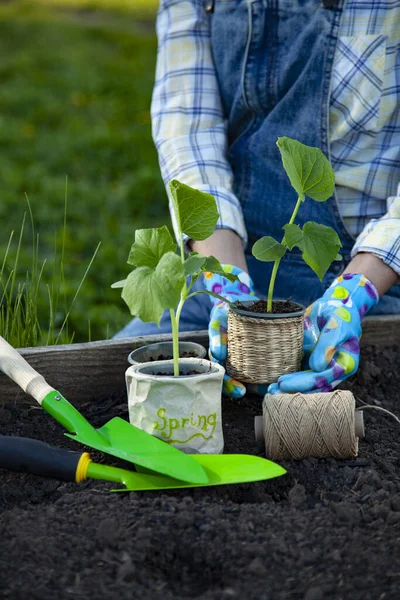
[170,357]
[164,351]
[181,373]
[328,530]
[279,307]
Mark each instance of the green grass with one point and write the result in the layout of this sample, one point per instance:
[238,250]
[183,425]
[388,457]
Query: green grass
[74,101]
[34,312]
[140,8]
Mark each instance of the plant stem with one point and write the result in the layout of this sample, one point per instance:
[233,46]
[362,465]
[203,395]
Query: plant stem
[300,199]
[184,291]
[182,249]
[272,284]
[213,294]
[278,260]
[175,316]
[179,310]
[175,341]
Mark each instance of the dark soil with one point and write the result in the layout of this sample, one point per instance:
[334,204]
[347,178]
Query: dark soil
[279,307]
[329,529]
[170,357]
[181,373]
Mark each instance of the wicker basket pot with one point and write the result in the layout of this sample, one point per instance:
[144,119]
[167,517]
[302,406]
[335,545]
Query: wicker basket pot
[264,346]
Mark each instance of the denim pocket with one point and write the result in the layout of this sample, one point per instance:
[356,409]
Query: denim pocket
[357,84]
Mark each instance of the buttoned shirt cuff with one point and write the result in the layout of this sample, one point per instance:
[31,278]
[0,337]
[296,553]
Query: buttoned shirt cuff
[382,236]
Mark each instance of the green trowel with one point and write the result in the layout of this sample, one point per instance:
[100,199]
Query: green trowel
[24,455]
[117,437]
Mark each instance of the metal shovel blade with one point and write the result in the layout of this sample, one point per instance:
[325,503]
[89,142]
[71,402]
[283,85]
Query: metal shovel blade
[221,470]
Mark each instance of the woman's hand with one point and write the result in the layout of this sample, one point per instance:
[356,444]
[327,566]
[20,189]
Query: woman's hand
[332,332]
[217,330]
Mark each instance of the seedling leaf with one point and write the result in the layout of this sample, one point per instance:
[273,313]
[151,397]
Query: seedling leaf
[148,292]
[320,247]
[118,284]
[293,236]
[267,249]
[212,265]
[150,246]
[308,169]
[193,263]
[195,212]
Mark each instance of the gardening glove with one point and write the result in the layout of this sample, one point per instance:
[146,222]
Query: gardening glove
[217,330]
[332,332]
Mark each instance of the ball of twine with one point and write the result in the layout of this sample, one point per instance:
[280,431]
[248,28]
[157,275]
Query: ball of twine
[298,425]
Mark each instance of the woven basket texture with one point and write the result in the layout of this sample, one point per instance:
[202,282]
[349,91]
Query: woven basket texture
[261,350]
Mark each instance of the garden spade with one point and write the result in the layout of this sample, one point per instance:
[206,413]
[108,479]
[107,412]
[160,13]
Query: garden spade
[24,455]
[116,437]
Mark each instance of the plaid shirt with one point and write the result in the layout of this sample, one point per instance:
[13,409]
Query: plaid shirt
[189,128]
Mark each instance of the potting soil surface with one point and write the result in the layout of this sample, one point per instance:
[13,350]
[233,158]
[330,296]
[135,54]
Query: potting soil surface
[327,529]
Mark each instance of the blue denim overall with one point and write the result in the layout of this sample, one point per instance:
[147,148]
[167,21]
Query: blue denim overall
[273,60]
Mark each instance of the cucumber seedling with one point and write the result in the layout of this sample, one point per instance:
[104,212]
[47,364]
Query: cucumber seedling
[310,174]
[163,277]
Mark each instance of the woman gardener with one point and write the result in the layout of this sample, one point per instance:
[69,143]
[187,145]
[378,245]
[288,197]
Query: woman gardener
[234,75]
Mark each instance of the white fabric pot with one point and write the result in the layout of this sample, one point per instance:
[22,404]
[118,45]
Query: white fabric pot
[183,411]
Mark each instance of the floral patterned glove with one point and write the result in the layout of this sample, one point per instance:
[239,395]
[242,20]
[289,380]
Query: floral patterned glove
[218,327]
[332,332]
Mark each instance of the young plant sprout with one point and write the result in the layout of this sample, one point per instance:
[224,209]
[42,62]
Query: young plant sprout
[310,174]
[163,277]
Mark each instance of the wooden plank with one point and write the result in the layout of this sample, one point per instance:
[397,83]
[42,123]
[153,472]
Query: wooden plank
[382,330]
[84,371]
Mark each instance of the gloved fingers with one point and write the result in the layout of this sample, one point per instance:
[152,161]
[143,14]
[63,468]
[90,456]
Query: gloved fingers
[344,355]
[217,332]
[343,365]
[302,381]
[310,339]
[218,326]
[273,388]
[313,323]
[230,387]
[218,284]
[233,388]
[343,327]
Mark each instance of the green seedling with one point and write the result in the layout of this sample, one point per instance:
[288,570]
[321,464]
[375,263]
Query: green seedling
[310,174]
[163,277]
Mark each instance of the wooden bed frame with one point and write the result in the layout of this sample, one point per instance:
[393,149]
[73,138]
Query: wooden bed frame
[84,371]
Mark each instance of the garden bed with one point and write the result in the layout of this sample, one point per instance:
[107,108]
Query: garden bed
[327,529]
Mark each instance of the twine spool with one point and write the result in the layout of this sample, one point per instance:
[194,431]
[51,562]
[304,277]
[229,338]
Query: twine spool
[261,350]
[304,425]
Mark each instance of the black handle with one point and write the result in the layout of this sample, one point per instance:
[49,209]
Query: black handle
[23,455]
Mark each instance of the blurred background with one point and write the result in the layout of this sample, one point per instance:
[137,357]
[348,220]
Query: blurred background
[77,163]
